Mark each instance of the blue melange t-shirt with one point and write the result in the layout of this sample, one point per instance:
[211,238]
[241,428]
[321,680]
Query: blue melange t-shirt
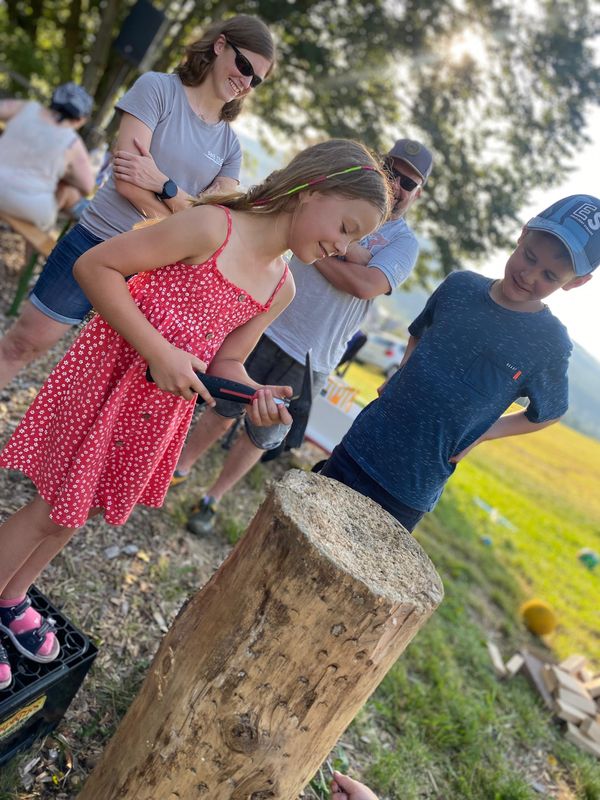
[474,358]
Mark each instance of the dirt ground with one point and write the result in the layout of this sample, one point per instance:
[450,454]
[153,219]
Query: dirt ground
[121,585]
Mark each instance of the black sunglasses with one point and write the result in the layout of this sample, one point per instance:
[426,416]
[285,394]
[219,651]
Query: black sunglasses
[394,175]
[244,66]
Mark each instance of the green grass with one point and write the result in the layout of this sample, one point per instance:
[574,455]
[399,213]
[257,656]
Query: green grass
[441,725]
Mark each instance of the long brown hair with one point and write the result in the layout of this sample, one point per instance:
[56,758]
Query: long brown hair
[312,165]
[244,31]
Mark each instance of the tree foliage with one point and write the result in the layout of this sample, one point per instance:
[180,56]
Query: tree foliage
[503,115]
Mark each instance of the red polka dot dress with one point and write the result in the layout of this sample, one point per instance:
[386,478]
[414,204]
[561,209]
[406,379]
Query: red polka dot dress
[99,435]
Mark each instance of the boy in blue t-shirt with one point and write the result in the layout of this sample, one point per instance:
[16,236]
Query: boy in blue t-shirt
[477,346]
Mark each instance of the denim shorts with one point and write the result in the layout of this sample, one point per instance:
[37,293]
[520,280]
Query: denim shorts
[343,468]
[56,293]
[269,364]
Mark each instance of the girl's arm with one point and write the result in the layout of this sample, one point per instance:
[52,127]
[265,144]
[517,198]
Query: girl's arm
[191,236]
[508,425]
[229,361]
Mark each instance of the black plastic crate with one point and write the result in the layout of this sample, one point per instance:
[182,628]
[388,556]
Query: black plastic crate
[40,693]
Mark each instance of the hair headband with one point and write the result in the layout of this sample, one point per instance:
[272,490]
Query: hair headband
[314,181]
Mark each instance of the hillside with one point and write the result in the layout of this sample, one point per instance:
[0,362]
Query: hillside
[584,369]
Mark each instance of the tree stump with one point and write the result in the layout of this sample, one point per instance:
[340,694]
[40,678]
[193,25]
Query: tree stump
[266,666]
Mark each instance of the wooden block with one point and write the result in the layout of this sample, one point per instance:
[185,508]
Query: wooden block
[549,678]
[532,668]
[577,700]
[569,713]
[591,728]
[514,664]
[586,675]
[569,682]
[575,736]
[593,687]
[573,664]
[497,662]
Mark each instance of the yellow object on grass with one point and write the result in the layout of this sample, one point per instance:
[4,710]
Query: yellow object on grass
[538,616]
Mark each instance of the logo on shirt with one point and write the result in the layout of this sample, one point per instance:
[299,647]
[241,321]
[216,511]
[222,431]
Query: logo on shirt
[215,158]
[517,372]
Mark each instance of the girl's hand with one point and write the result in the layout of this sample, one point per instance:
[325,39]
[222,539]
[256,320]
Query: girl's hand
[173,371]
[141,170]
[264,412]
[344,788]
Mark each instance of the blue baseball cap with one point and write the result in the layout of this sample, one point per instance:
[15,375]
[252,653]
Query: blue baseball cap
[575,220]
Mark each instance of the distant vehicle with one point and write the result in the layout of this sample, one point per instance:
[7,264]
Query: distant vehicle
[383,350]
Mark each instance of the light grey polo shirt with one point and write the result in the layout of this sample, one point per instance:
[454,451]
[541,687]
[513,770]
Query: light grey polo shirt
[187,149]
[323,318]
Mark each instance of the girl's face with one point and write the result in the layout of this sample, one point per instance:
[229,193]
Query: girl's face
[325,224]
[229,82]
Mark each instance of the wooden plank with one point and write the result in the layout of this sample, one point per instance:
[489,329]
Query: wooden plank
[577,700]
[591,728]
[532,667]
[569,682]
[575,736]
[593,687]
[570,713]
[549,678]
[40,240]
[497,662]
[514,664]
[573,664]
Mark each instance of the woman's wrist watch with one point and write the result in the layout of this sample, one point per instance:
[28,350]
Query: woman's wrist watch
[169,190]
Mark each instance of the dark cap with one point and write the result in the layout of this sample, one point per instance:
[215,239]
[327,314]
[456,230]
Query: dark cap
[72,100]
[415,154]
[575,220]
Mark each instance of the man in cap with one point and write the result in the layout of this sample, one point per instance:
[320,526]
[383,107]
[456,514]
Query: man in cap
[333,296]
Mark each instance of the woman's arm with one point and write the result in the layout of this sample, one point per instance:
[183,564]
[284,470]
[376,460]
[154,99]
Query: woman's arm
[237,346]
[9,108]
[135,135]
[191,236]
[79,172]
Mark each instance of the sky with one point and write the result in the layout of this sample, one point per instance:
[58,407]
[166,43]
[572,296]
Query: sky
[578,309]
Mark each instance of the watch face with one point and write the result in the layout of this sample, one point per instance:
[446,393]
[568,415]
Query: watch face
[169,190]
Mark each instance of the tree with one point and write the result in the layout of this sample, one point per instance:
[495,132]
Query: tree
[499,89]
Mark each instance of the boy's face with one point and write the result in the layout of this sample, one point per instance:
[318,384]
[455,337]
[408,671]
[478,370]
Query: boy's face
[535,270]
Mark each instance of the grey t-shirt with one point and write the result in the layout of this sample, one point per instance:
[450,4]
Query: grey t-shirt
[324,318]
[188,150]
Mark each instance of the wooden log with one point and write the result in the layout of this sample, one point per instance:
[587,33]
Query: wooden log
[268,664]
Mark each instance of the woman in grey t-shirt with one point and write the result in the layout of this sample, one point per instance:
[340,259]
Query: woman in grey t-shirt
[174,142]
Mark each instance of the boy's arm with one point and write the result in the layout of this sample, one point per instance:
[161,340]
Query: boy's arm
[508,425]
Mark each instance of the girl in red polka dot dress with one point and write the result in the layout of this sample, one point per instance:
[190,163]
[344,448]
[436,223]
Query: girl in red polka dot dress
[99,437]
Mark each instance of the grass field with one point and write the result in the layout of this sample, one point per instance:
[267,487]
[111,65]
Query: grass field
[441,725]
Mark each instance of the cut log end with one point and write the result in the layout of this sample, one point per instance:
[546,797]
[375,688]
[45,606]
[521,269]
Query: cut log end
[359,537]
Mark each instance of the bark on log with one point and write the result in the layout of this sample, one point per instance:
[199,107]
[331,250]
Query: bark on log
[266,666]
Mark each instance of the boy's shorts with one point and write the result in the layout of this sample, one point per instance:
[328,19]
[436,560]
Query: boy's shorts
[56,293]
[343,468]
[269,364]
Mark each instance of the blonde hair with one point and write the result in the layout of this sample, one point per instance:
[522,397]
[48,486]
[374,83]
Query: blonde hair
[244,31]
[328,167]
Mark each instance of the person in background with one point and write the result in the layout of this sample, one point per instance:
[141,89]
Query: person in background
[44,165]
[174,142]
